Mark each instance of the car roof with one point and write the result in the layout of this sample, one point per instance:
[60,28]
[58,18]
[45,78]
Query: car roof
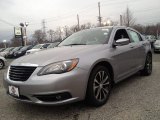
[114,27]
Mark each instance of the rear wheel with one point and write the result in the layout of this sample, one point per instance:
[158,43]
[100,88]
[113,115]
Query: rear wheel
[1,64]
[99,86]
[148,66]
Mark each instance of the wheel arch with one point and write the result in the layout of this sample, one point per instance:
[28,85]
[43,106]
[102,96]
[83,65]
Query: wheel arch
[101,63]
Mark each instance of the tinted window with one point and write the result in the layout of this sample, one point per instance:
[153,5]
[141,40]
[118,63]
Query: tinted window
[134,36]
[120,34]
[24,48]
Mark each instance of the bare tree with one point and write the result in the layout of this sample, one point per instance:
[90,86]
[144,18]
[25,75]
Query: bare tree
[1,45]
[128,18]
[67,31]
[15,42]
[39,36]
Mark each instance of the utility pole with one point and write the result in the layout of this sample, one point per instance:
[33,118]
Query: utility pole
[157,31]
[44,28]
[121,20]
[78,22]
[99,17]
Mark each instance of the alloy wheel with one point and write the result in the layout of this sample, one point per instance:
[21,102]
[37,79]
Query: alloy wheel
[101,86]
[1,64]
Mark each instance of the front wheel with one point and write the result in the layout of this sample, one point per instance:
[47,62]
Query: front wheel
[99,86]
[1,64]
[148,66]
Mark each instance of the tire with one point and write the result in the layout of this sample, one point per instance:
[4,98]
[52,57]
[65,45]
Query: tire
[99,86]
[148,66]
[1,64]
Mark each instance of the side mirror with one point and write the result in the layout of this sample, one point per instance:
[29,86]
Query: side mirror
[121,42]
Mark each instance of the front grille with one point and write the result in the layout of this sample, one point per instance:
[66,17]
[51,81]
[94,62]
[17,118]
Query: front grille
[20,73]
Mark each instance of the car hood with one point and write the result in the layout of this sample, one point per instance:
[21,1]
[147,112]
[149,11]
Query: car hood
[45,57]
[3,53]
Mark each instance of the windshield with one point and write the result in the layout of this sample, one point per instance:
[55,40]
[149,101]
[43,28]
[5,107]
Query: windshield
[15,49]
[24,48]
[88,37]
[37,46]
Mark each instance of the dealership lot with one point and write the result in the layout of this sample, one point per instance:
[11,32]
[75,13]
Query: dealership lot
[135,98]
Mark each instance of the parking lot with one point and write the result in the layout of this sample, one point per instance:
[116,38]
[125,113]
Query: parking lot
[136,98]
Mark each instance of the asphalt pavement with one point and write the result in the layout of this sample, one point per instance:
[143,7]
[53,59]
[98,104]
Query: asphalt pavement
[136,98]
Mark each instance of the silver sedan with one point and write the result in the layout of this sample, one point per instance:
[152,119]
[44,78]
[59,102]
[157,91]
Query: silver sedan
[83,67]
[157,46]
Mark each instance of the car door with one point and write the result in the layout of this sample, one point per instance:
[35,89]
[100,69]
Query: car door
[123,56]
[139,48]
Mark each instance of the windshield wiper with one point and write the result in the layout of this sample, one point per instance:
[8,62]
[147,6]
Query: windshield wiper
[74,44]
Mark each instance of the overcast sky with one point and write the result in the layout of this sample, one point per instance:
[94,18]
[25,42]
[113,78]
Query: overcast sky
[63,12]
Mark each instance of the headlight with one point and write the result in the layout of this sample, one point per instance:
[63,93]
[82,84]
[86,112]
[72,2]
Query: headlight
[59,67]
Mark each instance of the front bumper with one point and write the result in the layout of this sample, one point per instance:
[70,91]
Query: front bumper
[73,83]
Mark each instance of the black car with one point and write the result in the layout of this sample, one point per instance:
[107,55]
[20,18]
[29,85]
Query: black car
[22,51]
[11,53]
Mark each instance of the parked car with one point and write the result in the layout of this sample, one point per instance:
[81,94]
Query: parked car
[22,51]
[151,39]
[157,46]
[52,45]
[2,49]
[83,66]
[6,52]
[38,47]
[2,62]
[11,53]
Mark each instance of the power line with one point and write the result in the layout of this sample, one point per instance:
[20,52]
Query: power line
[81,11]
[4,37]
[86,8]
[6,22]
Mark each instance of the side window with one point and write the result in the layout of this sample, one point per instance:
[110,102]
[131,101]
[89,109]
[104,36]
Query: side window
[134,36]
[121,33]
